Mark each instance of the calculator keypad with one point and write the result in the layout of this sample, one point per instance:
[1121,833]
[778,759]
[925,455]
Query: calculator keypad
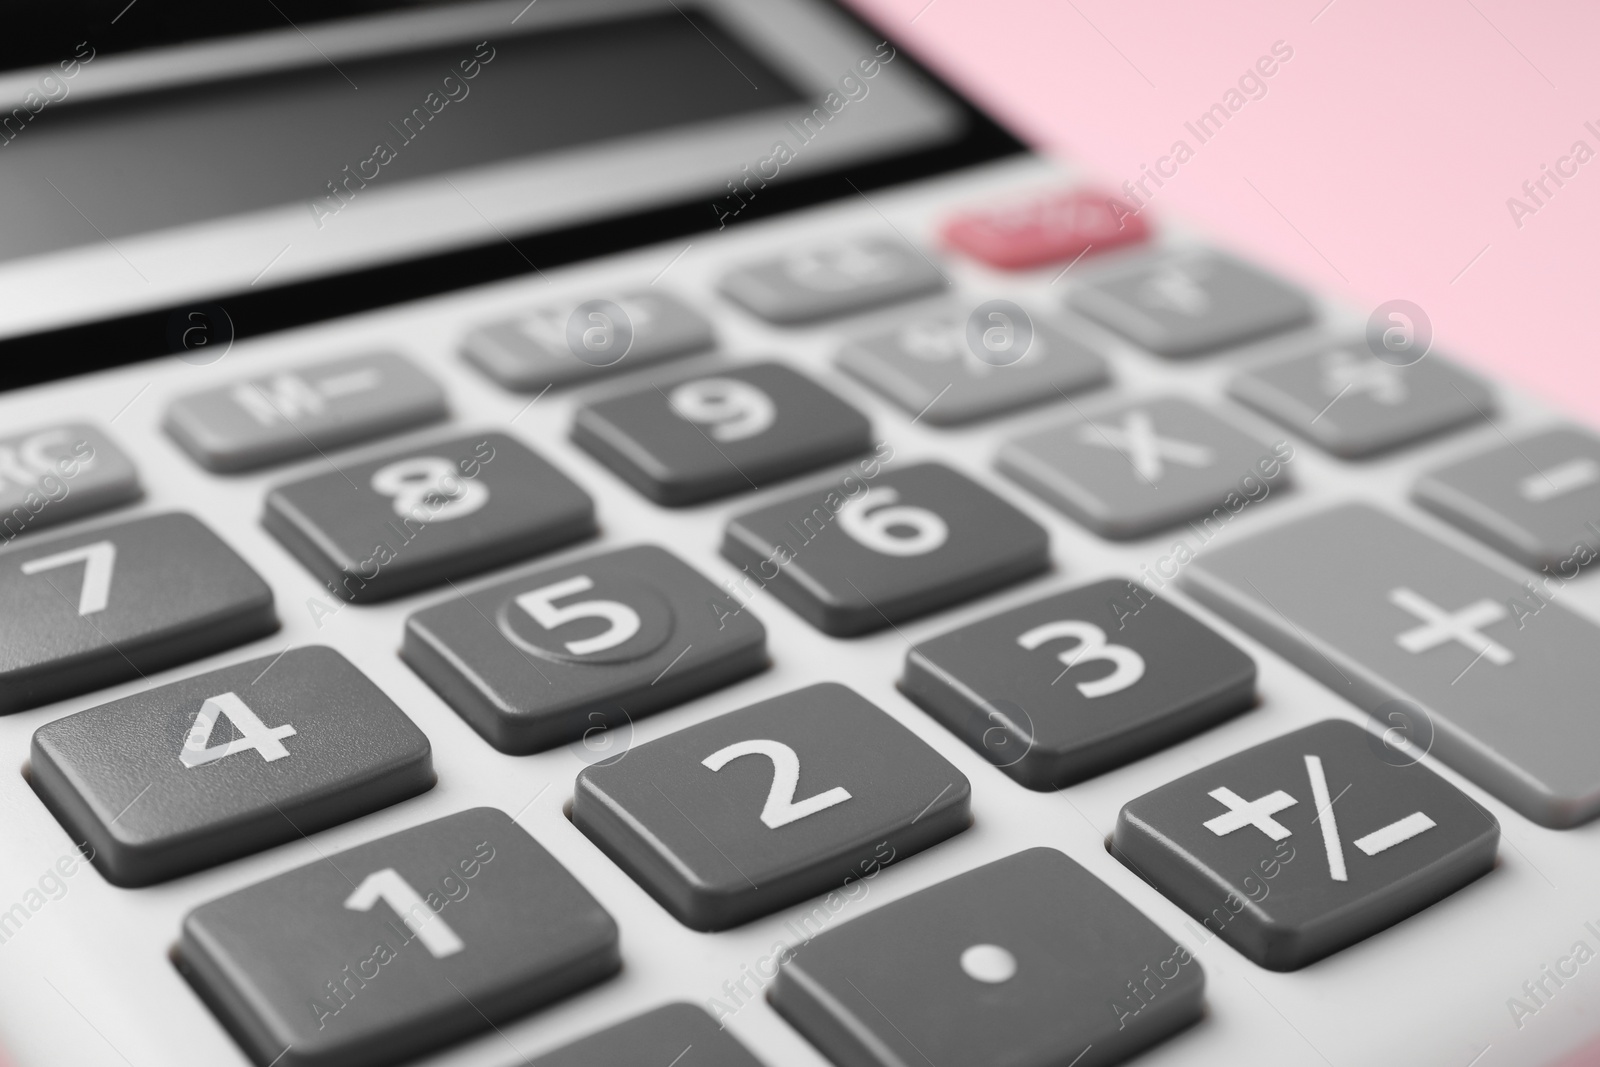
[426,514]
[1306,844]
[1139,468]
[563,343]
[1353,404]
[1077,683]
[556,653]
[200,771]
[828,280]
[391,949]
[1029,961]
[1190,303]
[868,551]
[727,431]
[947,369]
[56,473]
[257,422]
[89,608]
[754,810]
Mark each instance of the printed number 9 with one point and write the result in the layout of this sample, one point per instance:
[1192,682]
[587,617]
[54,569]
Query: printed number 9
[877,520]
[733,409]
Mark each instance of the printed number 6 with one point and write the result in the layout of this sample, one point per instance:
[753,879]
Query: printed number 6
[1091,646]
[877,529]
[733,409]
[781,808]
[540,604]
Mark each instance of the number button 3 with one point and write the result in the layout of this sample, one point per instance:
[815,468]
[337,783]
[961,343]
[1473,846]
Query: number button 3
[757,809]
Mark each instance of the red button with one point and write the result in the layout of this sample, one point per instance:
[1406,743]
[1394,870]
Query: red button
[1046,229]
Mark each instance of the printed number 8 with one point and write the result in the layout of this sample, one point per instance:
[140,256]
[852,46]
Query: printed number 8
[429,489]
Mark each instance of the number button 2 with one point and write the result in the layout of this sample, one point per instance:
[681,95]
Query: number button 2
[707,436]
[757,809]
[882,544]
[1076,683]
[556,654]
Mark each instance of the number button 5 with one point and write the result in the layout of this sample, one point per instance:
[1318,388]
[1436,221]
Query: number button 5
[885,545]
[707,436]
[1079,682]
[548,657]
[757,809]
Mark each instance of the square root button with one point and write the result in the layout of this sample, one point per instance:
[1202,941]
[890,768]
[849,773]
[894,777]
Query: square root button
[1306,844]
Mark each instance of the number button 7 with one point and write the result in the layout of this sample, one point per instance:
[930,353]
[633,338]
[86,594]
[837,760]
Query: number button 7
[719,849]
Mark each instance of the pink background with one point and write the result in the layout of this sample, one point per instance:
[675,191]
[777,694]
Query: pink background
[1391,143]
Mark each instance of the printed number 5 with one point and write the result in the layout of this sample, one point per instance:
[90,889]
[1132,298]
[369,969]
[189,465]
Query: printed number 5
[540,604]
[98,561]
[781,808]
[1091,646]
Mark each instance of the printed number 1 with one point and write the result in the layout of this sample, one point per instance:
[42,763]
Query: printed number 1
[98,561]
[431,929]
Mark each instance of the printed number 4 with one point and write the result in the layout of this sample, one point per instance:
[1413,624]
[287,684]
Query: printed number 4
[540,604]
[267,740]
[1092,645]
[781,808]
[426,924]
[98,561]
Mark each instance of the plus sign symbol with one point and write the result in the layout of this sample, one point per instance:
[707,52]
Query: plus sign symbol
[1305,844]
[1463,626]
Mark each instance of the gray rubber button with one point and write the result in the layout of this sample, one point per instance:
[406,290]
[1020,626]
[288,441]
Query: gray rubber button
[560,653]
[1417,633]
[257,422]
[562,343]
[1190,303]
[425,514]
[827,280]
[1306,844]
[937,368]
[1074,684]
[864,553]
[735,429]
[1353,404]
[200,771]
[1029,961]
[675,1035]
[389,950]
[57,473]
[1133,470]
[88,608]
[752,811]
[1537,500]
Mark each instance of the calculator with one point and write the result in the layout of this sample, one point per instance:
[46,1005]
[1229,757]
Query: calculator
[654,533]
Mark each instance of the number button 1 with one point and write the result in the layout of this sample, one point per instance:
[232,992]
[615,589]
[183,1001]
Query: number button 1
[190,774]
[737,429]
[757,809]
[389,950]
[560,652]
[887,544]
[89,608]
[1077,683]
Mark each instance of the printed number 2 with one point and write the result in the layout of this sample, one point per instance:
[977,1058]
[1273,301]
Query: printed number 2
[428,926]
[540,604]
[781,808]
[98,561]
[1092,645]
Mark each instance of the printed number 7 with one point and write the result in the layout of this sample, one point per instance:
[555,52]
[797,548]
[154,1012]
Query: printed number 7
[98,560]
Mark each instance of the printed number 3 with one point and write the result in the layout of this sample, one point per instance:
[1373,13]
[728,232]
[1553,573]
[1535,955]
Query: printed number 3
[540,604]
[1092,645]
[781,808]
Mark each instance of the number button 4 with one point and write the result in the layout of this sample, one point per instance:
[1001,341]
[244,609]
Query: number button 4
[1308,843]
[414,518]
[88,609]
[387,951]
[192,774]
[757,809]
[740,428]
[548,657]
[862,553]
[1077,683]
